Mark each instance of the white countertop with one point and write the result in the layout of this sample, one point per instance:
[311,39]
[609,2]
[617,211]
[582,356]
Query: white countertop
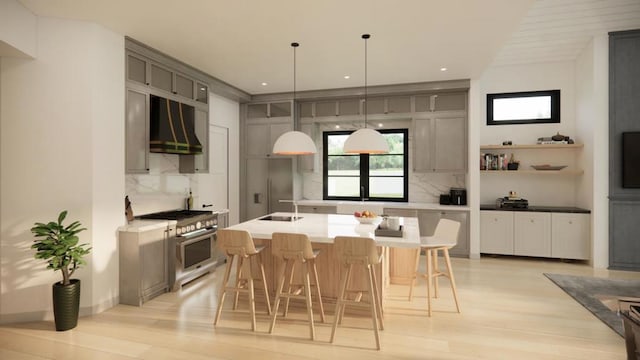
[386,204]
[323,228]
[146,225]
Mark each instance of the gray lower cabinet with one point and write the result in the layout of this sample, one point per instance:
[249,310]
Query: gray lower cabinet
[314,209]
[624,227]
[540,234]
[143,265]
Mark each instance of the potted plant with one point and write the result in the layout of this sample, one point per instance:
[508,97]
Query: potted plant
[58,244]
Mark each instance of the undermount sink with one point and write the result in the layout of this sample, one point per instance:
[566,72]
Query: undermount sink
[279,218]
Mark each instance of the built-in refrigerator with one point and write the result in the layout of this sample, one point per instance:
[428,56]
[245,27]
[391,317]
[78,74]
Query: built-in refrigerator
[268,182]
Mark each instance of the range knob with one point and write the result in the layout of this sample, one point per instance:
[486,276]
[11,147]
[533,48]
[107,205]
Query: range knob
[193,227]
[185,229]
[198,225]
[178,231]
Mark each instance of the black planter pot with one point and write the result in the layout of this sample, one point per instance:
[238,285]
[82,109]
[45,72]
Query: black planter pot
[66,302]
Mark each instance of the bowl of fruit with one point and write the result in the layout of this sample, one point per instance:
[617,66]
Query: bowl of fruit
[365,217]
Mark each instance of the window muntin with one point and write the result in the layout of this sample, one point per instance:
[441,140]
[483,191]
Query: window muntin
[381,176]
[530,107]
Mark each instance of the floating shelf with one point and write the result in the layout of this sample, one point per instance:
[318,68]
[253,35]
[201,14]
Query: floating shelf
[532,146]
[541,172]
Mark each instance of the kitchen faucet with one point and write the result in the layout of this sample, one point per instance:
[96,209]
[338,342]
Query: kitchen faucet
[295,207]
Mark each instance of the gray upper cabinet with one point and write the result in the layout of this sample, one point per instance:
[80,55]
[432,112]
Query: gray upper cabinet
[440,144]
[269,110]
[261,137]
[398,104]
[144,78]
[184,86]
[325,108]
[161,78]
[137,131]
[137,69]
[441,102]
[349,107]
[376,105]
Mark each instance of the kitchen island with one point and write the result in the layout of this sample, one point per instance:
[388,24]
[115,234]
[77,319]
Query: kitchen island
[322,230]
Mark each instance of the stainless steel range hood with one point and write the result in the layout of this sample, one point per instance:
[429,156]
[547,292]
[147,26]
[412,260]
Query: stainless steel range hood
[172,128]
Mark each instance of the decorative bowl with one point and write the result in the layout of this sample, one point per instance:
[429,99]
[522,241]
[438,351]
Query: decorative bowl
[548,167]
[366,220]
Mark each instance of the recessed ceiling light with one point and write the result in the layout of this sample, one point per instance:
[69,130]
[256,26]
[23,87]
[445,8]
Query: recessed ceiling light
[347,77]
[443,69]
[264,84]
[380,125]
[337,126]
[203,89]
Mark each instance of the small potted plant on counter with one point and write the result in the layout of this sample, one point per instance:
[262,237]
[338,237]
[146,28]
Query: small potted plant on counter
[58,245]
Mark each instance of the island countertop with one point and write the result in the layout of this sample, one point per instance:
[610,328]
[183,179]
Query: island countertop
[323,228]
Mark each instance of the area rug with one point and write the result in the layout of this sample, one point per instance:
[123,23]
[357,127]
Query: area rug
[600,296]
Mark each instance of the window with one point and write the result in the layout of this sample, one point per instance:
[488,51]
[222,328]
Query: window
[531,107]
[372,177]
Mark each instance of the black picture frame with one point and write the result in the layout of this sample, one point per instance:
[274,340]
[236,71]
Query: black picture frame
[555,107]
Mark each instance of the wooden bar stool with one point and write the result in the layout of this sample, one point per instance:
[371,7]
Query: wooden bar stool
[292,249]
[444,238]
[363,252]
[238,244]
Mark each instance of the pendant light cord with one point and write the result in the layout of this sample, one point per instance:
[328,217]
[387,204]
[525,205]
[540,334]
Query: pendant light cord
[294,45]
[365,37]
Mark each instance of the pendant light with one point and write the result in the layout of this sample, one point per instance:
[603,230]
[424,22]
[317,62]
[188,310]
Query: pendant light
[294,142]
[366,141]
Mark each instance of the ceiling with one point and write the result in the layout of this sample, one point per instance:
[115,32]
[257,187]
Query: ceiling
[247,42]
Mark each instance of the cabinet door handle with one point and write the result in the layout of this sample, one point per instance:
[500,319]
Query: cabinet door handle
[531,221]
[570,222]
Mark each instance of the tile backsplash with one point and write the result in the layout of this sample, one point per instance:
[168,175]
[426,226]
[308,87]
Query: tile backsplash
[164,188]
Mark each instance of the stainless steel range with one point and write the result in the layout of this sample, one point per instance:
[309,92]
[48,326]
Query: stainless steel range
[192,251]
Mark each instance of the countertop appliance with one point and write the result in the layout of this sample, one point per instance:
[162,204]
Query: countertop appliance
[458,196]
[512,203]
[192,251]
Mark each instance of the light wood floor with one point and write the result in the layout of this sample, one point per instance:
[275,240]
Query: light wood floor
[509,311]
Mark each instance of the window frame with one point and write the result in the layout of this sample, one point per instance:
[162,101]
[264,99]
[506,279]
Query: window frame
[364,167]
[555,107]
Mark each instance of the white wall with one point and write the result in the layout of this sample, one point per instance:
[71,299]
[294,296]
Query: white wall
[61,141]
[18,26]
[593,127]
[538,189]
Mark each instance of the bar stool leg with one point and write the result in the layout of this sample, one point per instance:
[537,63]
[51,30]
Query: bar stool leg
[374,315]
[291,266]
[376,295]
[429,280]
[340,302]
[246,268]
[312,263]
[238,282]
[264,285]
[280,286]
[436,272]
[415,274]
[453,282]
[307,293]
[223,288]
[349,268]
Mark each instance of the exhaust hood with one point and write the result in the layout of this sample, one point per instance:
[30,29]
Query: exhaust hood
[172,128]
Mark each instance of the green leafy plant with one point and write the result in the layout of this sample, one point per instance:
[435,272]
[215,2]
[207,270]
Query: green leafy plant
[58,244]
